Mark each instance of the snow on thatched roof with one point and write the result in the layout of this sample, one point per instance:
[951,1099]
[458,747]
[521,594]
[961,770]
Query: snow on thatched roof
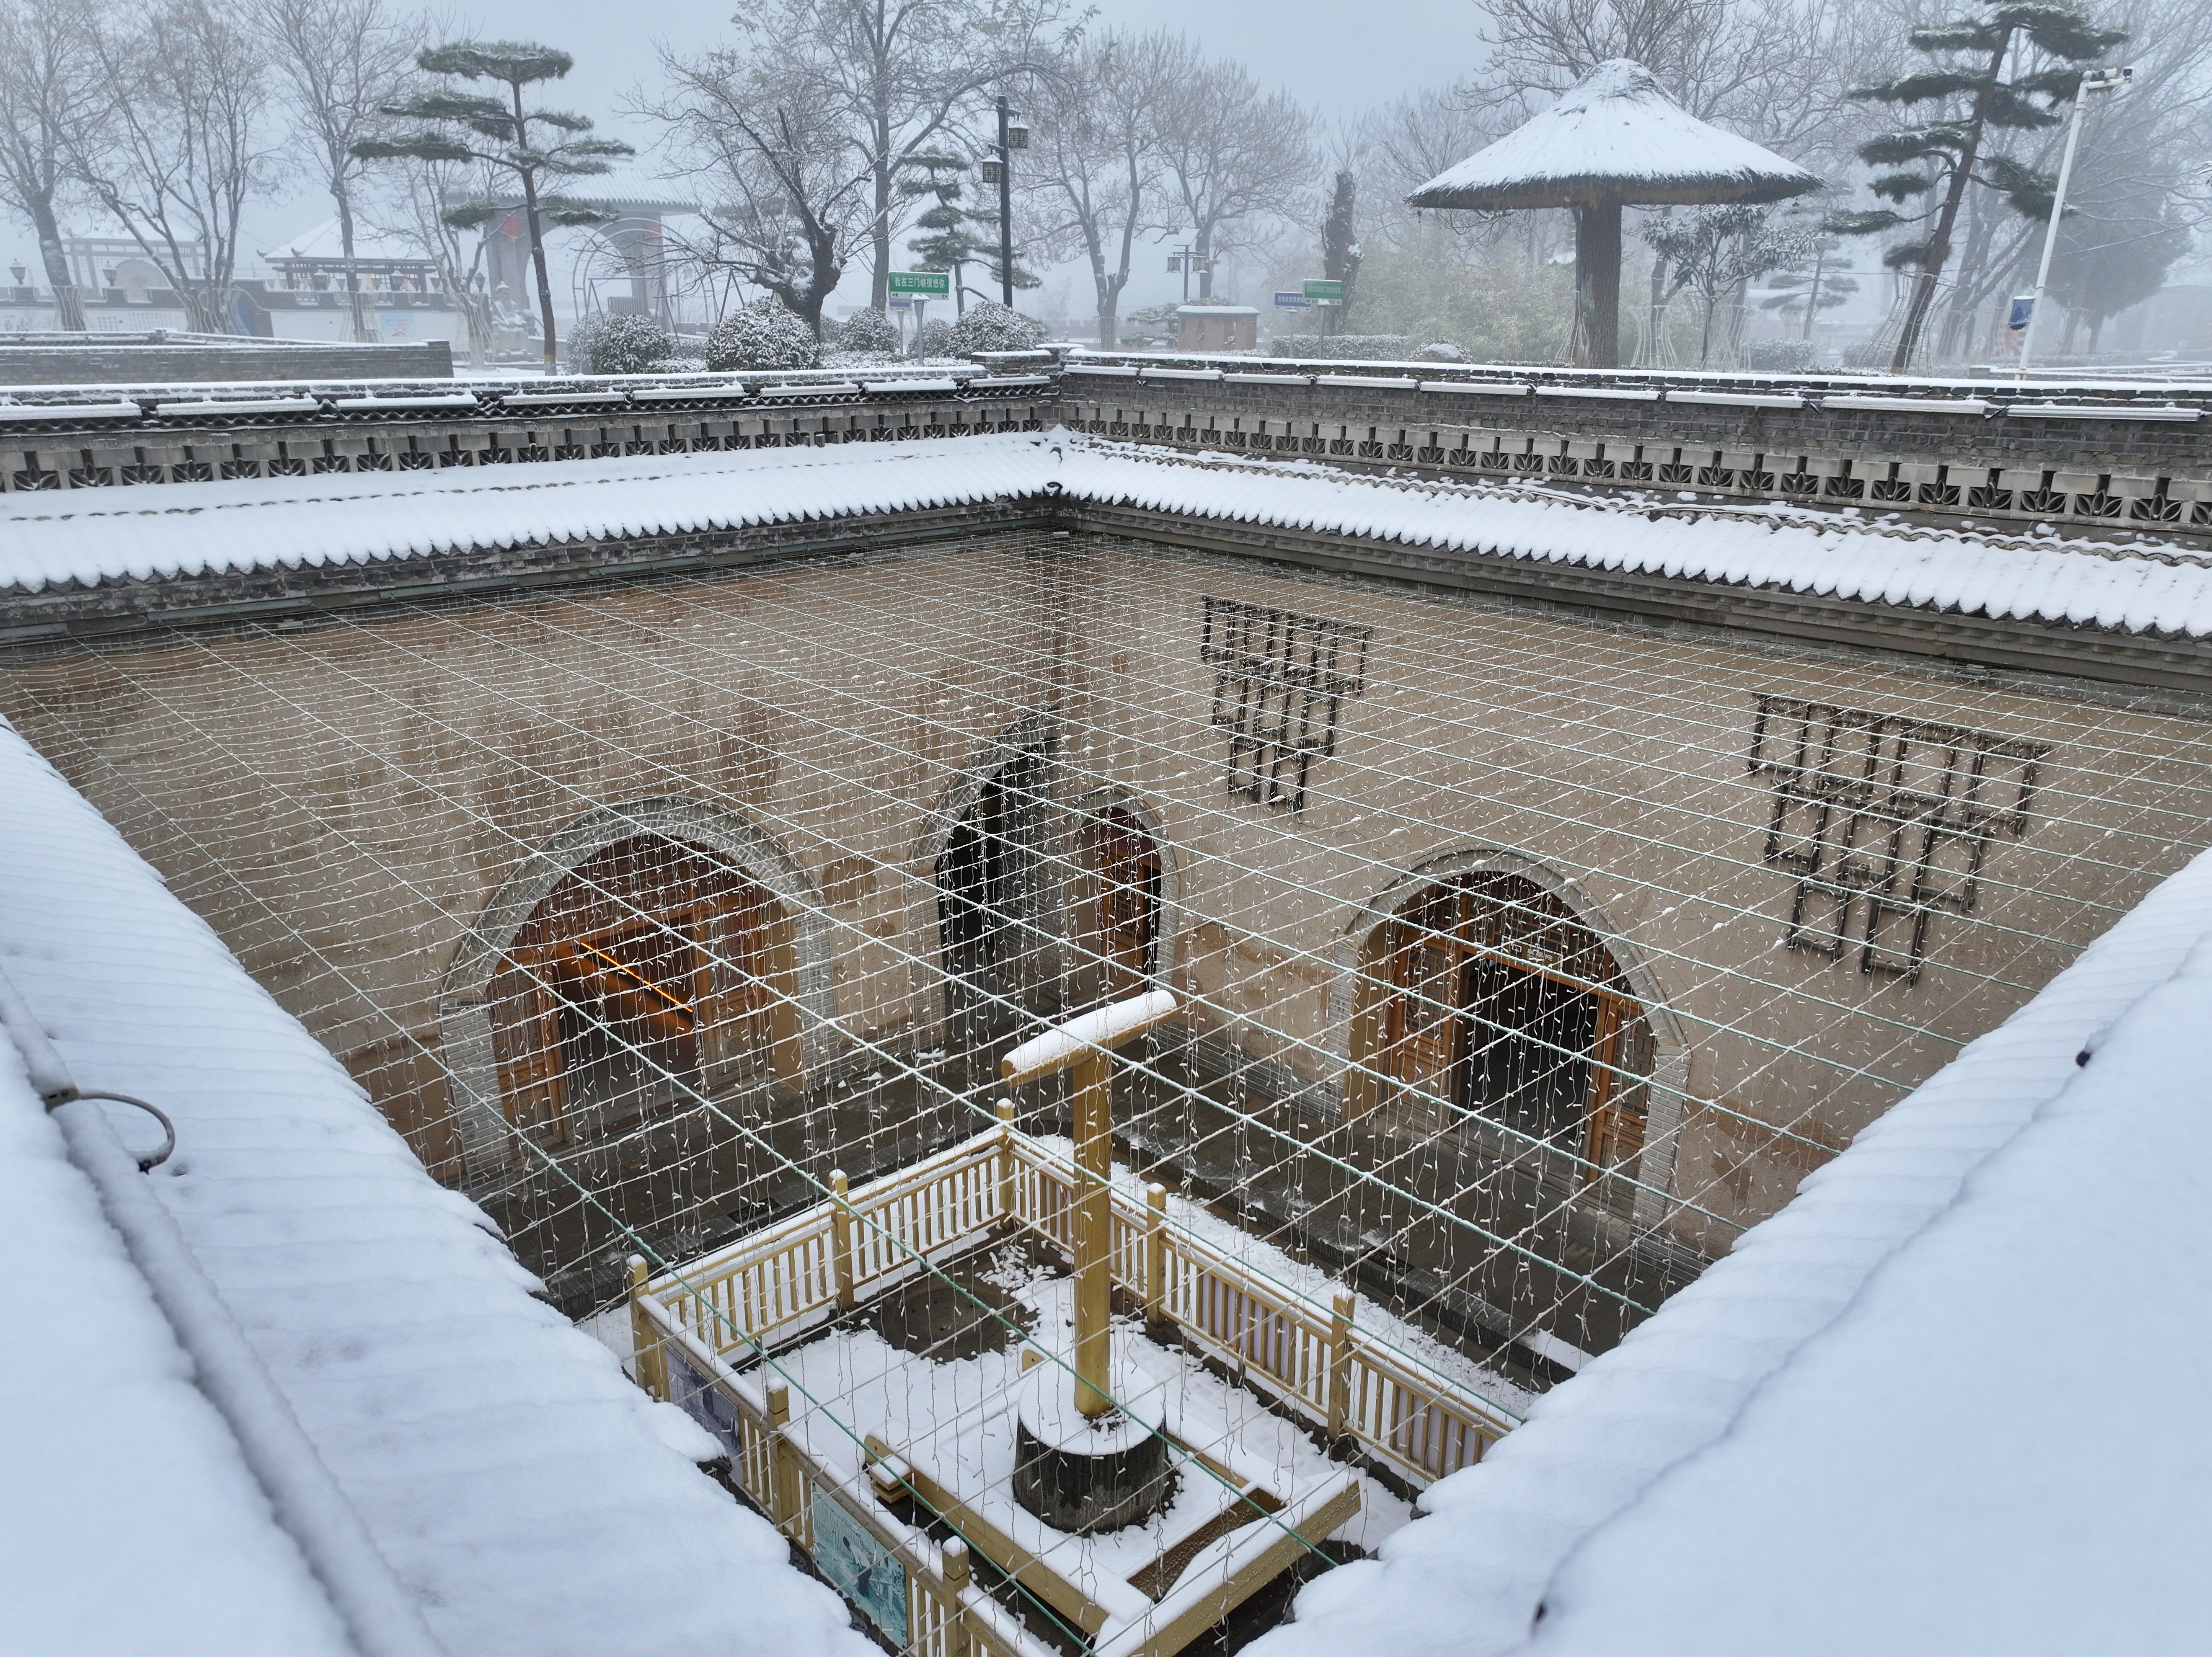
[1615,134]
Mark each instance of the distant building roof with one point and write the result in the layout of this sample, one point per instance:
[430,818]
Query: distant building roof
[324,241]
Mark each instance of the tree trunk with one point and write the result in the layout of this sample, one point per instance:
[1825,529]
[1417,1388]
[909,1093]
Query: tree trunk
[1597,284]
[1939,244]
[68,304]
[537,232]
[343,198]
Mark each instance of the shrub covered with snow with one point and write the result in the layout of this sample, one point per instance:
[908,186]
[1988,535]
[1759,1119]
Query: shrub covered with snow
[870,331]
[934,339]
[1344,348]
[989,326]
[619,345]
[766,334]
[1777,357]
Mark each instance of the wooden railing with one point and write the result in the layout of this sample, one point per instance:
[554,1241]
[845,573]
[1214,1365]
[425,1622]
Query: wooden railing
[919,1594]
[771,1287]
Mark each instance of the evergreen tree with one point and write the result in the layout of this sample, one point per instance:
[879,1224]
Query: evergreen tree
[945,243]
[1810,283]
[1935,160]
[534,147]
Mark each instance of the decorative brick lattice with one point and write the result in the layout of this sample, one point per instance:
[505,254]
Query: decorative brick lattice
[1280,681]
[1885,822]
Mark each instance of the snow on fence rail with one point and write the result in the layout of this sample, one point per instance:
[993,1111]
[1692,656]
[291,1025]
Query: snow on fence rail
[767,1289]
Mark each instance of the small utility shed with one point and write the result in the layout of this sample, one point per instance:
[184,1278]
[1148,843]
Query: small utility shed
[1613,139]
[1950,1401]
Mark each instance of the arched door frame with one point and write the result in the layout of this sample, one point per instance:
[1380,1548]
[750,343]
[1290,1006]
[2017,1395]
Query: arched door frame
[1670,1069]
[464,1009]
[1096,804]
[1033,732]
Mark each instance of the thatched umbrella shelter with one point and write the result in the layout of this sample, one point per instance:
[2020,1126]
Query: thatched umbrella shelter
[1612,140]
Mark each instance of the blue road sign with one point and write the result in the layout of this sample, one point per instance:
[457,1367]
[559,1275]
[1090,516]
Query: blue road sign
[1289,301]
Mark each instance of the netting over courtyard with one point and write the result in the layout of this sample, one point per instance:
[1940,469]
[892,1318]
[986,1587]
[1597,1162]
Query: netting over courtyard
[1519,961]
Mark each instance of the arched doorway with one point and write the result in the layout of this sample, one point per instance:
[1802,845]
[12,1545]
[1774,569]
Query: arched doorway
[989,897]
[655,968]
[1122,870]
[1486,997]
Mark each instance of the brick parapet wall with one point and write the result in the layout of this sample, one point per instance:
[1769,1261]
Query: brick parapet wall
[2135,461]
[423,427]
[1928,454]
[101,360]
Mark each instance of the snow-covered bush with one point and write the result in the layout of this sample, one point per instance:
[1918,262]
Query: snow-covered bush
[988,325]
[611,343]
[870,331]
[1344,348]
[1440,350]
[766,334]
[933,338]
[1777,357]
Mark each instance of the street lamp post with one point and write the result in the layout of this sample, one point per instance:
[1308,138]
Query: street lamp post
[2094,80]
[1012,136]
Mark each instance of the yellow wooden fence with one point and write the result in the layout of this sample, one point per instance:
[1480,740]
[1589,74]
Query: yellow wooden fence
[769,1288]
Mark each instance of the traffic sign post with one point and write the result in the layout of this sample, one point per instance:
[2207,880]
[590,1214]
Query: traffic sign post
[1288,301]
[922,284]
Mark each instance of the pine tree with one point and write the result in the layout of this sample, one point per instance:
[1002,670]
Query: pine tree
[1811,283]
[945,243]
[532,146]
[1935,161]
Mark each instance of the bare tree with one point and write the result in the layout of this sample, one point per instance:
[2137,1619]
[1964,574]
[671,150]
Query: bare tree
[417,207]
[792,198]
[888,80]
[1094,173]
[336,63]
[52,94]
[1238,158]
[183,143]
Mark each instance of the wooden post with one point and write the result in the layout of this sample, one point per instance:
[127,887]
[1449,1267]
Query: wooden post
[782,1463]
[954,1554]
[1339,1363]
[1155,1253]
[840,1237]
[645,1338]
[1081,1046]
[1006,1162]
[1092,1079]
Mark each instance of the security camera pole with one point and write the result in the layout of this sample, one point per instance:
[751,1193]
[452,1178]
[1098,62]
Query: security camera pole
[1082,1046]
[2094,80]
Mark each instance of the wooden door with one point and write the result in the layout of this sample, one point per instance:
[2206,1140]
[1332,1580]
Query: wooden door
[1125,934]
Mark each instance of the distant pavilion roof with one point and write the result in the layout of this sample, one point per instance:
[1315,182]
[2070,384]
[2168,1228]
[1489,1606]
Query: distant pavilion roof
[1615,135]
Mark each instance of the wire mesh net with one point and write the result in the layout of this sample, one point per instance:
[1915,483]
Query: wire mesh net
[1521,960]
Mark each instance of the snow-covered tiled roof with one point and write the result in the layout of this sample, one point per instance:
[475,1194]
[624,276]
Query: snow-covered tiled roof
[150,532]
[1615,133]
[533,1501]
[110,1453]
[1949,1400]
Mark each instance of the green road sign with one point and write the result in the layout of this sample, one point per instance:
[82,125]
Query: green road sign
[929,285]
[1325,293]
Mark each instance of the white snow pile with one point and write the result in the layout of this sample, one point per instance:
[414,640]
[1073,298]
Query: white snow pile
[153,532]
[1615,133]
[1949,1400]
[533,1499]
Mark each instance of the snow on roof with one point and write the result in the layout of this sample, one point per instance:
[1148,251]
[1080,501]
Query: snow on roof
[535,1500]
[324,241]
[1615,133]
[113,1456]
[149,531]
[1950,1400]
